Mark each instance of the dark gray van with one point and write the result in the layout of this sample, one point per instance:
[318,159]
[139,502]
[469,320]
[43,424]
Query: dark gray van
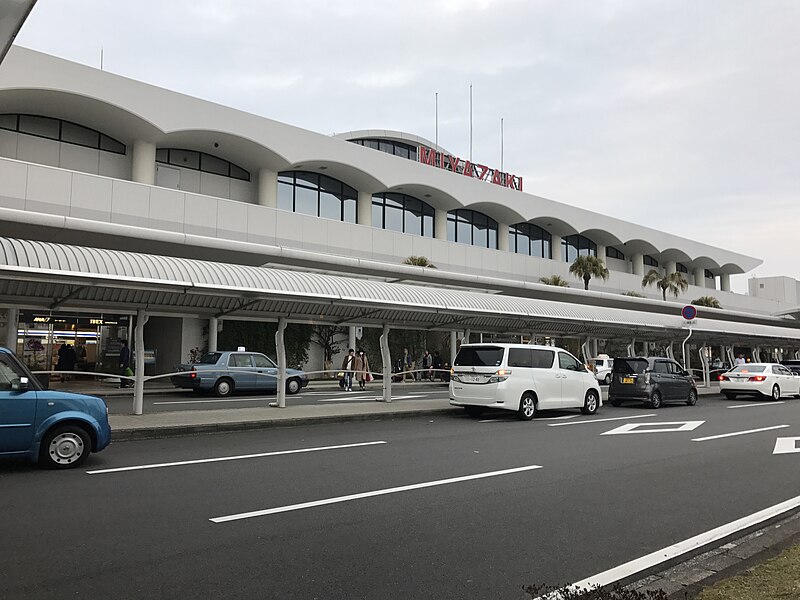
[653,380]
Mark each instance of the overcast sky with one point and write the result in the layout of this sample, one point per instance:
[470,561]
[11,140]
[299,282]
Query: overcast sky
[681,115]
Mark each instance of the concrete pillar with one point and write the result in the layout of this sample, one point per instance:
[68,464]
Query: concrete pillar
[144,162]
[453,347]
[502,237]
[671,266]
[351,337]
[386,361]
[601,253]
[637,260]
[280,349]
[12,328]
[138,349]
[213,327]
[440,224]
[700,277]
[555,247]
[725,282]
[465,339]
[267,188]
[364,209]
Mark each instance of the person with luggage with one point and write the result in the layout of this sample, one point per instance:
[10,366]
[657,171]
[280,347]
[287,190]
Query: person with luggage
[362,370]
[348,367]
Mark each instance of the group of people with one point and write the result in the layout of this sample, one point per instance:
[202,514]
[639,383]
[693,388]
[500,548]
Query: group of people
[355,366]
[431,365]
[67,358]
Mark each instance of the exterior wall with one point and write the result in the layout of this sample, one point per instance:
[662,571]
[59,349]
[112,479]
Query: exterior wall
[165,335]
[209,184]
[192,336]
[781,289]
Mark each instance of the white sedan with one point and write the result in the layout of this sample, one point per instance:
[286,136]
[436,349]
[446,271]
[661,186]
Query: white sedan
[760,379]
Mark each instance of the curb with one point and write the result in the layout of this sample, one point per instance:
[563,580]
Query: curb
[150,433]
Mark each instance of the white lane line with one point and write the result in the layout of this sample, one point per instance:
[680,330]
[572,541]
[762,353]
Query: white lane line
[557,418]
[216,400]
[735,433]
[670,552]
[372,494]
[600,420]
[227,458]
[367,399]
[757,404]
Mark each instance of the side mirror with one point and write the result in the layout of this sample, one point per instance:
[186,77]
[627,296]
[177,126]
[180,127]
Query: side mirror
[20,385]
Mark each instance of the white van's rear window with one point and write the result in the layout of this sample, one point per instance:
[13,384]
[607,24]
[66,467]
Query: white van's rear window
[480,356]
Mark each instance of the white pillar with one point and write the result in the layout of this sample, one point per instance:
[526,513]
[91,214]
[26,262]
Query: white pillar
[671,266]
[386,359]
[351,337]
[364,209]
[453,347]
[144,162]
[725,282]
[700,277]
[555,247]
[267,188]
[213,325]
[138,348]
[638,264]
[601,253]
[440,224]
[12,329]
[280,348]
[465,339]
[502,237]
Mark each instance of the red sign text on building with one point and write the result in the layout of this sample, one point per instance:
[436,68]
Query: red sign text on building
[431,157]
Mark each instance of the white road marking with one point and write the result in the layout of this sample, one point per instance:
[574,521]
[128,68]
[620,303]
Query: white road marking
[735,433]
[757,404]
[670,552]
[374,398]
[557,418]
[600,420]
[215,400]
[372,494]
[786,445]
[654,427]
[227,458]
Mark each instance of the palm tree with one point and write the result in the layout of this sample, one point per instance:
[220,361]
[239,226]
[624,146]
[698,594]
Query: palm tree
[554,280]
[708,301]
[674,283]
[586,267]
[633,294]
[419,261]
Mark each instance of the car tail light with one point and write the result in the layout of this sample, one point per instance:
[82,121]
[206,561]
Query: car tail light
[453,375]
[647,377]
[757,378]
[193,374]
[500,375]
[723,378]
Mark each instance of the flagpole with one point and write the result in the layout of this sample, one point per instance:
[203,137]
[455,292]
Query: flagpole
[502,170]
[470,122]
[437,121]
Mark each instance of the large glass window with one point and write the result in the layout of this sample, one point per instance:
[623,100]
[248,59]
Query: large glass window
[62,131]
[680,268]
[398,212]
[390,147]
[316,195]
[650,261]
[525,238]
[614,253]
[573,246]
[200,161]
[471,227]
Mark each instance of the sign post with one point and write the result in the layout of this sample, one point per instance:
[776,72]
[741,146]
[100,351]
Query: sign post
[689,314]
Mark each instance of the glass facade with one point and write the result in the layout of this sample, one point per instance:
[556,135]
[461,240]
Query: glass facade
[614,253]
[649,261]
[399,212]
[680,268]
[390,147]
[200,161]
[573,246]
[525,238]
[61,131]
[316,195]
[471,227]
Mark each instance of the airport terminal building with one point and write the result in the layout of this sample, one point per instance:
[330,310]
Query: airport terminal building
[93,160]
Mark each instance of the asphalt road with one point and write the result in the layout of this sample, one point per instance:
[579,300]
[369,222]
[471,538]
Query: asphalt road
[596,502]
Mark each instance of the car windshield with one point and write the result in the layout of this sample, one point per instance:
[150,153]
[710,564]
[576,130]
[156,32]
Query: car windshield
[630,365]
[209,359]
[479,356]
[748,369]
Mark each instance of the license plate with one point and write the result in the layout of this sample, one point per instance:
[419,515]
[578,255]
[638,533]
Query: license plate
[474,378]
[627,380]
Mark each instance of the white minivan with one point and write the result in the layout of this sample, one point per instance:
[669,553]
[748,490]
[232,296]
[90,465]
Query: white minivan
[523,378]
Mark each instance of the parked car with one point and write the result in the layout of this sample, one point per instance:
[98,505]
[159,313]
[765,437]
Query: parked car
[653,380]
[793,364]
[522,378]
[57,429]
[601,366]
[760,379]
[227,372]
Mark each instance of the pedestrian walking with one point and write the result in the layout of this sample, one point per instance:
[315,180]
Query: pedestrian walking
[348,366]
[437,364]
[362,370]
[125,364]
[427,364]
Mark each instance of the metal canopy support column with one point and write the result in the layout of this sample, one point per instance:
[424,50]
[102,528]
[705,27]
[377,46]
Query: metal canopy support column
[213,324]
[386,359]
[453,346]
[465,339]
[12,324]
[685,356]
[585,351]
[668,351]
[280,348]
[351,337]
[702,352]
[138,341]
[757,354]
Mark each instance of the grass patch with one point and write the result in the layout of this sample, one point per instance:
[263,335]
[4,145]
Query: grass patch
[776,579]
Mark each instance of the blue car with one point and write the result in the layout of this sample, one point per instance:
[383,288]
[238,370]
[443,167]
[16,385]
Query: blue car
[226,372]
[57,429]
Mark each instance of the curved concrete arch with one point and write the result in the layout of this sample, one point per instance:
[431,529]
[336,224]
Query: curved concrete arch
[705,262]
[637,246]
[390,134]
[360,180]
[673,254]
[554,225]
[435,197]
[498,212]
[731,269]
[602,237]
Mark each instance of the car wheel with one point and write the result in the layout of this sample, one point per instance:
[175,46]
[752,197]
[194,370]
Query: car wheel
[65,447]
[776,392]
[591,403]
[527,407]
[655,399]
[607,379]
[729,395]
[474,411]
[223,387]
[293,386]
[692,399]
[615,402]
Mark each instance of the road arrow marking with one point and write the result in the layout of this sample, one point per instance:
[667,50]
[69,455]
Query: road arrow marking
[669,427]
[787,445]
